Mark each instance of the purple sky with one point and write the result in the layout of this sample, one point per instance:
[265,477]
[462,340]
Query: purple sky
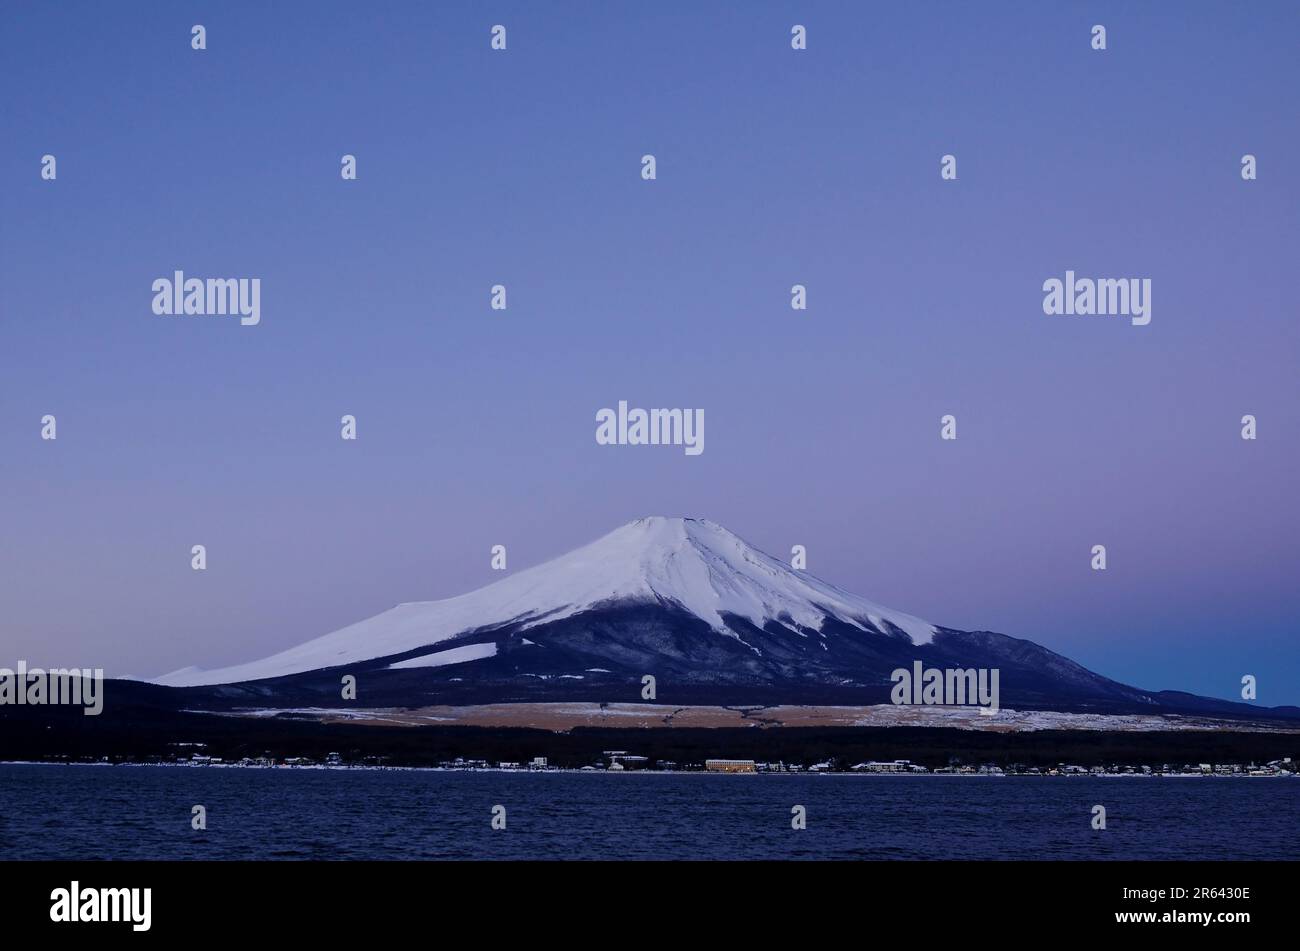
[775,167]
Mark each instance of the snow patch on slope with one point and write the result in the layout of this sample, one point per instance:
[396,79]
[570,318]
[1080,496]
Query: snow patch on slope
[453,655]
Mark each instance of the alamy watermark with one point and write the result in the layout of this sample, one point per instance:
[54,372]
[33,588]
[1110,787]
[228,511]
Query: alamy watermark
[1103,297]
[215,296]
[653,427]
[75,904]
[951,687]
[59,686]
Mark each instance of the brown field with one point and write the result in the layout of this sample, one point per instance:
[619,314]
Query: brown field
[563,717]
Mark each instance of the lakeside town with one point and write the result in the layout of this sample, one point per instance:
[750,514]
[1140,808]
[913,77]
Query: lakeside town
[624,761]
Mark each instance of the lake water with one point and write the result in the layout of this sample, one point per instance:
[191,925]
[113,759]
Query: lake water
[144,812]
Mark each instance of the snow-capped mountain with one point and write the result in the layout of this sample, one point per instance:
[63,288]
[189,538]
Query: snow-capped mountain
[690,564]
[712,618]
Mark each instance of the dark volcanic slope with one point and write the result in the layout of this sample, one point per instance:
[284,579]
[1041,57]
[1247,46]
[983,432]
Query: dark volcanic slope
[603,655]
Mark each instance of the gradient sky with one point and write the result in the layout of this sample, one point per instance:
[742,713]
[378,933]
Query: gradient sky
[775,167]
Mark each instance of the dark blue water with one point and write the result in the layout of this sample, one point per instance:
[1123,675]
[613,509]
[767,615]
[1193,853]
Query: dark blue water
[143,812]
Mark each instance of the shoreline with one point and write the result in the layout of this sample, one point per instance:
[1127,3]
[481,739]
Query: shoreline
[890,774]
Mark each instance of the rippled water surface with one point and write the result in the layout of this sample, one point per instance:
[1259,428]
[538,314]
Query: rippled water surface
[143,812]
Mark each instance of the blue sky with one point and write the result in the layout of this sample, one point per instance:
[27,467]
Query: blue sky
[774,167]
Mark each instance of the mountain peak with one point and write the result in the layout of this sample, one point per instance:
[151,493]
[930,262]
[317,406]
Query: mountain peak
[710,571]
[670,523]
[692,564]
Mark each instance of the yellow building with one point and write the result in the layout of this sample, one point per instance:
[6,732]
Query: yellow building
[729,765]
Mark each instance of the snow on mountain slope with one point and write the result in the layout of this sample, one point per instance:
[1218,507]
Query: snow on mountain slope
[452,655]
[692,563]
